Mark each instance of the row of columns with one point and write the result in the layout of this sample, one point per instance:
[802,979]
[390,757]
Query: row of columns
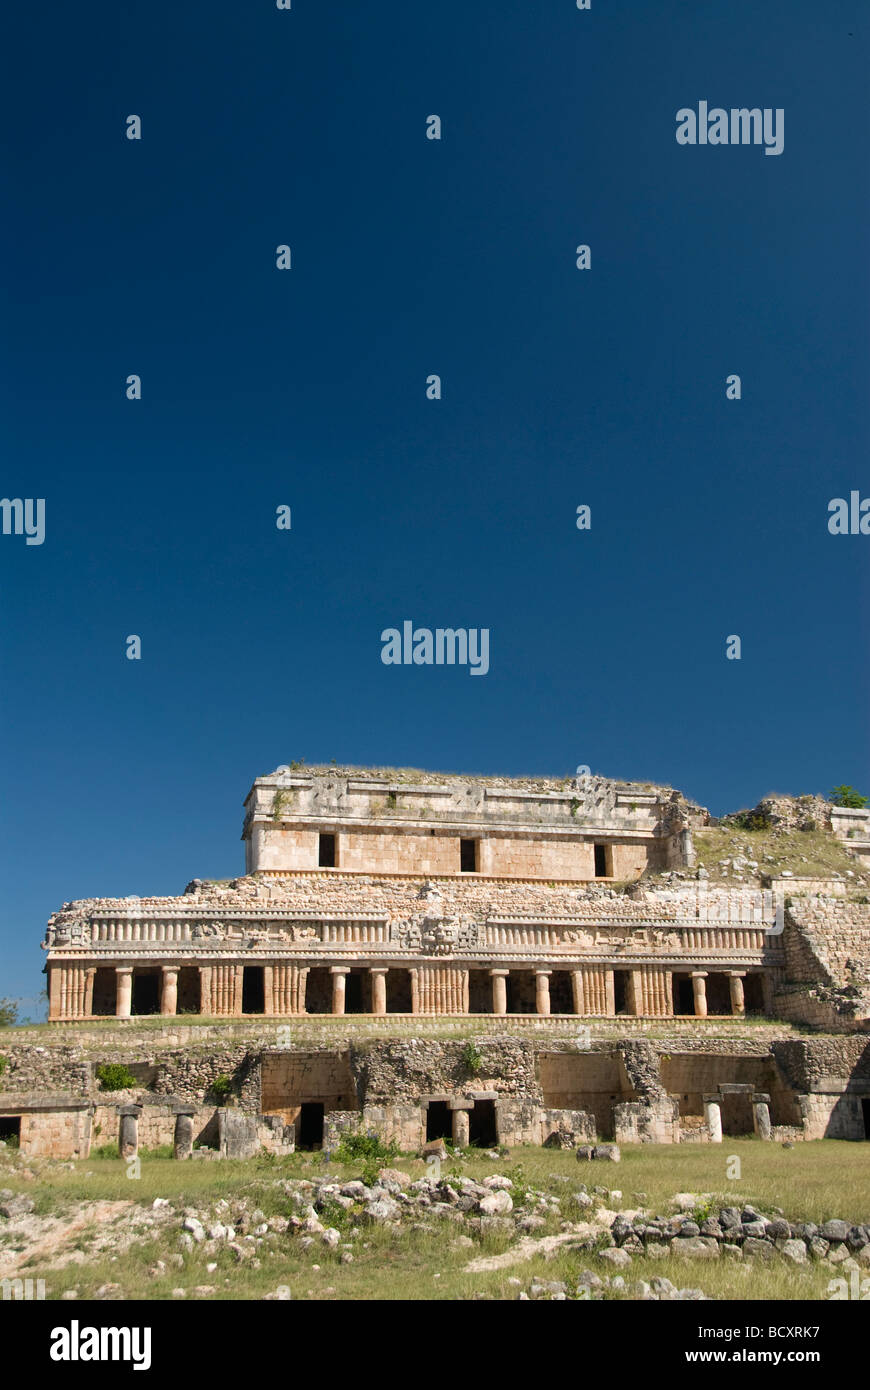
[435,989]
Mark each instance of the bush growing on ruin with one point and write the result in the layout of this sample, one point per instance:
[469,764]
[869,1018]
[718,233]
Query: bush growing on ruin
[222,1086]
[4,1062]
[472,1058]
[115,1076]
[847,796]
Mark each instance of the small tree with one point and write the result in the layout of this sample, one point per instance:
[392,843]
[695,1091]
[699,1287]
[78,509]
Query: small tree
[8,1013]
[847,796]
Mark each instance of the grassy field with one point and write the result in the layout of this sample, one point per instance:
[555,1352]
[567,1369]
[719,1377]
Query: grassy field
[93,1226]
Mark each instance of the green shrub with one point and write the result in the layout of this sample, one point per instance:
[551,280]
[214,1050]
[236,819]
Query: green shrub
[366,1146]
[115,1076]
[8,1013]
[222,1086]
[472,1059]
[106,1151]
[4,1062]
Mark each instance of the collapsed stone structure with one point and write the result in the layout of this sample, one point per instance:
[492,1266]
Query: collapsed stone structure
[378,905]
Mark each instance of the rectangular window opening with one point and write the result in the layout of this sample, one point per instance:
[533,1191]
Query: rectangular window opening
[468,856]
[603,862]
[326,851]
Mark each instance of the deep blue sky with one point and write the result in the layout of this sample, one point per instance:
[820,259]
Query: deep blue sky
[307,387]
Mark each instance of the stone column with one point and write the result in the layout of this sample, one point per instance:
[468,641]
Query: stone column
[338,973]
[238,987]
[205,1000]
[169,992]
[54,990]
[713,1118]
[124,985]
[542,991]
[182,1146]
[699,985]
[499,991]
[459,1117]
[577,991]
[609,994]
[88,1007]
[128,1131]
[761,1115]
[735,982]
[269,1006]
[379,989]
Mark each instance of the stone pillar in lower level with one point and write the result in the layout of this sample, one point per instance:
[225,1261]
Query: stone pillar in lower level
[128,1130]
[379,989]
[735,982]
[124,994]
[182,1144]
[699,985]
[761,1115]
[499,991]
[713,1118]
[338,973]
[459,1116]
[542,991]
[169,991]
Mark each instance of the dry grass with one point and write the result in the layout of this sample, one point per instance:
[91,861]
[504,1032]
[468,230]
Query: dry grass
[810,1182]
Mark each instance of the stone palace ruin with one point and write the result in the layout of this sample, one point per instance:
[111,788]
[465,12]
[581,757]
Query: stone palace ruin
[482,959]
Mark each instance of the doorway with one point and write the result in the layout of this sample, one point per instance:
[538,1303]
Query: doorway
[309,1133]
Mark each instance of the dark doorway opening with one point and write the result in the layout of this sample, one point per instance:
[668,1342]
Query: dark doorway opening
[683,994]
[479,992]
[439,1120]
[105,993]
[146,992]
[620,991]
[253,990]
[353,993]
[561,993]
[189,993]
[753,994]
[309,1132]
[482,1129]
[602,861]
[718,993]
[318,991]
[10,1130]
[865,1111]
[326,851]
[398,991]
[468,856]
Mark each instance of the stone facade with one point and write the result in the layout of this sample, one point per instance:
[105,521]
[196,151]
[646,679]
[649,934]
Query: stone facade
[411,903]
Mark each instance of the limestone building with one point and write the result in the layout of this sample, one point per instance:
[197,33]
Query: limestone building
[489,960]
[451,896]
